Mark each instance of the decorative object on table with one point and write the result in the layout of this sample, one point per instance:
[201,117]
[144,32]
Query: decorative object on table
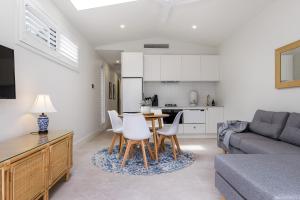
[134,166]
[110,90]
[146,106]
[213,103]
[41,106]
[193,98]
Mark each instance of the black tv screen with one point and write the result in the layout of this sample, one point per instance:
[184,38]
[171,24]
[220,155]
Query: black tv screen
[7,73]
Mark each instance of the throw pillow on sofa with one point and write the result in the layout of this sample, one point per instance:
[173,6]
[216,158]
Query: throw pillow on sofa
[269,124]
[291,132]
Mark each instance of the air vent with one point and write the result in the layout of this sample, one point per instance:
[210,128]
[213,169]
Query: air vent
[156,46]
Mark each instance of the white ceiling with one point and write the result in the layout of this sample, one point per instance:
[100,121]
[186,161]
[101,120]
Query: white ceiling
[215,19]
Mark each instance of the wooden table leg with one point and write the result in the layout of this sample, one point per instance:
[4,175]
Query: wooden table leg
[155,139]
[160,123]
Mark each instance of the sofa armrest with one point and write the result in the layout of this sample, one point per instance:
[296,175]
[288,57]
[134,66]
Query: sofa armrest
[220,139]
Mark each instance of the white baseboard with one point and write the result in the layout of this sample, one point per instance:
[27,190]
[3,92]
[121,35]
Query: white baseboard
[197,136]
[88,138]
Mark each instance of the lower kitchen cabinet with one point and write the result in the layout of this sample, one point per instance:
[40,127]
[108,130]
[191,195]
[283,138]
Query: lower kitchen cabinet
[194,129]
[214,115]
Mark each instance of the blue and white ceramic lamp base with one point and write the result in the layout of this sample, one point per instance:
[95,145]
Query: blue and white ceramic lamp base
[43,122]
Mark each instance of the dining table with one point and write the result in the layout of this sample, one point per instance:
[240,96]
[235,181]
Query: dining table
[152,118]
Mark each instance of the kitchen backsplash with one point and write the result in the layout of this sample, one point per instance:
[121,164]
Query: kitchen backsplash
[179,93]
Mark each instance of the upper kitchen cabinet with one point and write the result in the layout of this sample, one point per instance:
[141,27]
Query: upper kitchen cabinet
[170,68]
[209,68]
[152,68]
[132,64]
[190,68]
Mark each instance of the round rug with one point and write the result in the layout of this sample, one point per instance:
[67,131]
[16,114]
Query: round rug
[135,165]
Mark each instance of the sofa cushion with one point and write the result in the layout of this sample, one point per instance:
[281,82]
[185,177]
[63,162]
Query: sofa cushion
[236,138]
[269,124]
[267,146]
[261,177]
[291,132]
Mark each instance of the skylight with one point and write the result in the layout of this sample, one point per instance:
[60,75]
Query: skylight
[88,4]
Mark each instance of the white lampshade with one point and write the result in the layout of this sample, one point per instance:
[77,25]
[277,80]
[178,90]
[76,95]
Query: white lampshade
[43,104]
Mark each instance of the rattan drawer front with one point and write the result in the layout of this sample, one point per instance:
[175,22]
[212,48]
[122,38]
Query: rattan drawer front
[1,184]
[28,177]
[59,159]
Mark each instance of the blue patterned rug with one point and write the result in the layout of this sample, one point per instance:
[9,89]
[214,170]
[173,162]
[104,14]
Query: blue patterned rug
[135,165]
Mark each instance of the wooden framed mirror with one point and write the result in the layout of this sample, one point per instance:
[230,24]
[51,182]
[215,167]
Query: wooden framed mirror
[287,66]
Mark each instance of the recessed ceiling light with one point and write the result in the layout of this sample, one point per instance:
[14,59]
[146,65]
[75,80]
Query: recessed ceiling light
[117,61]
[194,27]
[122,26]
[87,4]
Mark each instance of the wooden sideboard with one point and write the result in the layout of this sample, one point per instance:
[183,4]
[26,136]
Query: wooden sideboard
[31,164]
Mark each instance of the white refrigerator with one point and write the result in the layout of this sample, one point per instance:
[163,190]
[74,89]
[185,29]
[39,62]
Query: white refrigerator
[132,94]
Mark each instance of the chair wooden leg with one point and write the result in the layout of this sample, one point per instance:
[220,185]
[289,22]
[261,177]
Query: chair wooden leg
[121,147]
[120,141]
[144,154]
[112,144]
[150,150]
[173,148]
[128,146]
[163,146]
[159,142]
[177,143]
[222,198]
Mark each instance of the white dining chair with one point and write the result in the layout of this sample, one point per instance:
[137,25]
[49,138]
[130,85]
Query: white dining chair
[155,111]
[117,129]
[170,133]
[136,131]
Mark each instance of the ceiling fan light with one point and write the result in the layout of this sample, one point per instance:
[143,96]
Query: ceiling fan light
[88,4]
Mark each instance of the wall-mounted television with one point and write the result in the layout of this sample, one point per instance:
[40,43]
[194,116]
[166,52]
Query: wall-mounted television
[7,73]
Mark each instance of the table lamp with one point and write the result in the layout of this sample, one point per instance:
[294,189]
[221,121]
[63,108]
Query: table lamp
[41,106]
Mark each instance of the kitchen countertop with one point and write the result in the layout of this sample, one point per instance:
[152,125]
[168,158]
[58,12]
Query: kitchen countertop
[189,107]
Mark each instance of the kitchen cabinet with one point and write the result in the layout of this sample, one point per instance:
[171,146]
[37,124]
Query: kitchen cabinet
[132,64]
[209,68]
[190,68]
[194,129]
[170,68]
[196,116]
[214,115]
[152,68]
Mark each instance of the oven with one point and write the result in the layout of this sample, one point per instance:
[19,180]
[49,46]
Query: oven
[172,114]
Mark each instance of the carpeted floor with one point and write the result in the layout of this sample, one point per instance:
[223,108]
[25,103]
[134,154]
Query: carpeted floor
[91,183]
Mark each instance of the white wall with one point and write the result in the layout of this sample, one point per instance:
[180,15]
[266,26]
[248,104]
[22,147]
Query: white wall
[176,47]
[179,93]
[248,63]
[77,103]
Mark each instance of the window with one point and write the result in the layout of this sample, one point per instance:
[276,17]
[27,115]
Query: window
[40,32]
[67,48]
[103,95]
[39,28]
